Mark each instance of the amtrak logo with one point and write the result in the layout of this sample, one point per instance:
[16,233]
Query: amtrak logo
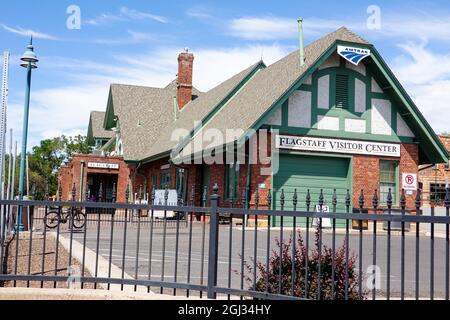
[353,55]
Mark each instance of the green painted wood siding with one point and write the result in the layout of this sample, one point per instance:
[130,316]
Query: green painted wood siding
[314,173]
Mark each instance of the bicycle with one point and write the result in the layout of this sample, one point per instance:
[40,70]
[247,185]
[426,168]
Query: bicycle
[55,217]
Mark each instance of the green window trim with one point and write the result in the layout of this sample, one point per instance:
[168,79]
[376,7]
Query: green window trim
[389,179]
[232,174]
[165,179]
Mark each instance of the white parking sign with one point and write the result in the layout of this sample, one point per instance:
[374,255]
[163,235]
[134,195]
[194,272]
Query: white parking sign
[409,181]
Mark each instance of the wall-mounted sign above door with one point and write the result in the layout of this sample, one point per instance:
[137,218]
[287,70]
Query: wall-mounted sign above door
[97,165]
[337,146]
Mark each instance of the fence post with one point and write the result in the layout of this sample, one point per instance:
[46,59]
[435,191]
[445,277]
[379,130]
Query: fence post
[213,243]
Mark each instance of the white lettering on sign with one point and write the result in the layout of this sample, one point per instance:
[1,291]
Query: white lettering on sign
[97,165]
[409,181]
[337,146]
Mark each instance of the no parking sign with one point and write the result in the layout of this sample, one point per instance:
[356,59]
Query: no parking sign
[409,181]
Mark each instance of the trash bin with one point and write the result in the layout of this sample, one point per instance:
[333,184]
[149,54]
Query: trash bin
[397,225]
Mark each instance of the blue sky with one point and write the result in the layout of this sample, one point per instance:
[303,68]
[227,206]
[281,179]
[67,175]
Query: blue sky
[137,42]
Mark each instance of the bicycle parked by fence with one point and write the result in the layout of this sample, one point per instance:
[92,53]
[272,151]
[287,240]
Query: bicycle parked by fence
[55,217]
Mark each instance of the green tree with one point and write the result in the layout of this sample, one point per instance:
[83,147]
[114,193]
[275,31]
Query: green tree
[45,160]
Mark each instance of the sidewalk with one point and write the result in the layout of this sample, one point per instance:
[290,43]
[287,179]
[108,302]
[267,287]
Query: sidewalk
[77,294]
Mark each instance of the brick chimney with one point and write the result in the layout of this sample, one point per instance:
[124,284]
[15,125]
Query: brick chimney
[184,85]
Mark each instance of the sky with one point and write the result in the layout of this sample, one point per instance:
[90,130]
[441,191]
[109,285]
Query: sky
[137,42]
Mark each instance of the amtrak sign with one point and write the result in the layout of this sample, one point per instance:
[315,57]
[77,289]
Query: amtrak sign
[337,146]
[352,54]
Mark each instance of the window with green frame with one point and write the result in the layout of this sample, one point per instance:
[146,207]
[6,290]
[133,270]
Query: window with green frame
[164,181]
[388,180]
[232,180]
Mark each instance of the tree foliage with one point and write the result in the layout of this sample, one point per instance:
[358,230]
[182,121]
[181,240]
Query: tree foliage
[45,160]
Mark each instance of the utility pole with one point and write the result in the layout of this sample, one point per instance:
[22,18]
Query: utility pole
[4,103]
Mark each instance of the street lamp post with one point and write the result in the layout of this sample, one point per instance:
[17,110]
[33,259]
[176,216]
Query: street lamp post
[29,60]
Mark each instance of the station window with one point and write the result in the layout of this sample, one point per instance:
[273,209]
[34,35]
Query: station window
[232,180]
[342,91]
[437,193]
[164,181]
[388,180]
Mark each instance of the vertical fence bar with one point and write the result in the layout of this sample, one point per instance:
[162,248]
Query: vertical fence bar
[402,272]
[230,240]
[319,266]
[150,246]
[432,257]
[280,268]
[138,241]
[177,239]
[190,241]
[388,248]
[417,278]
[213,244]
[111,235]
[163,262]
[30,244]
[83,262]
[333,248]
[308,207]
[203,218]
[17,235]
[347,244]
[269,205]
[44,246]
[447,243]
[58,229]
[361,207]
[255,244]
[294,233]
[374,242]
[100,198]
[244,208]
[124,244]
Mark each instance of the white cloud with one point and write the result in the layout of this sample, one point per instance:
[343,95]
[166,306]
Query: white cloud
[200,13]
[124,14]
[28,33]
[65,109]
[403,25]
[426,76]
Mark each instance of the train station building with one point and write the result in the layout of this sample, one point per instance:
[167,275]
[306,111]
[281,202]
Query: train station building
[331,117]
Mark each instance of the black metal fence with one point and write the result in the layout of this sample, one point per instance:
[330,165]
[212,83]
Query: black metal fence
[185,250]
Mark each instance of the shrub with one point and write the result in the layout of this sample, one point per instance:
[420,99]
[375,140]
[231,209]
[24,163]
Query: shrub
[268,279]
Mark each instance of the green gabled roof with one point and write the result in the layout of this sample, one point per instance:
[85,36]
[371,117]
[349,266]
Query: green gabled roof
[198,112]
[96,129]
[431,150]
[266,91]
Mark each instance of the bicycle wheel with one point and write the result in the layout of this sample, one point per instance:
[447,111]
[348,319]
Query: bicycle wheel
[79,219]
[52,219]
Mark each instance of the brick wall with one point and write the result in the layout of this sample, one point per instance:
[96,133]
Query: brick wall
[429,175]
[70,175]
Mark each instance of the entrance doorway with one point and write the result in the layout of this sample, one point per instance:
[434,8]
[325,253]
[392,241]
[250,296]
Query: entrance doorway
[107,182]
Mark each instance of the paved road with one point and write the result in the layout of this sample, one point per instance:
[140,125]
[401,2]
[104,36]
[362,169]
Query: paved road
[199,255]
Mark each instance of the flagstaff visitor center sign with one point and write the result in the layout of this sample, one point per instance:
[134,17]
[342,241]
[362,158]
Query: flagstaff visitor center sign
[96,165]
[337,146]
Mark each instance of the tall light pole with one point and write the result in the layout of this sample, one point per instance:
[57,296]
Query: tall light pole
[29,60]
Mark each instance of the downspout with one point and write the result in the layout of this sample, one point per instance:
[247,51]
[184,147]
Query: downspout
[81,180]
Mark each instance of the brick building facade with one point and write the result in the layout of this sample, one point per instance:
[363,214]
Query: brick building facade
[325,124]
[434,179]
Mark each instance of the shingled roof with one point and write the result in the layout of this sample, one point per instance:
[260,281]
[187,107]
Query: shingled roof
[195,112]
[95,129]
[263,91]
